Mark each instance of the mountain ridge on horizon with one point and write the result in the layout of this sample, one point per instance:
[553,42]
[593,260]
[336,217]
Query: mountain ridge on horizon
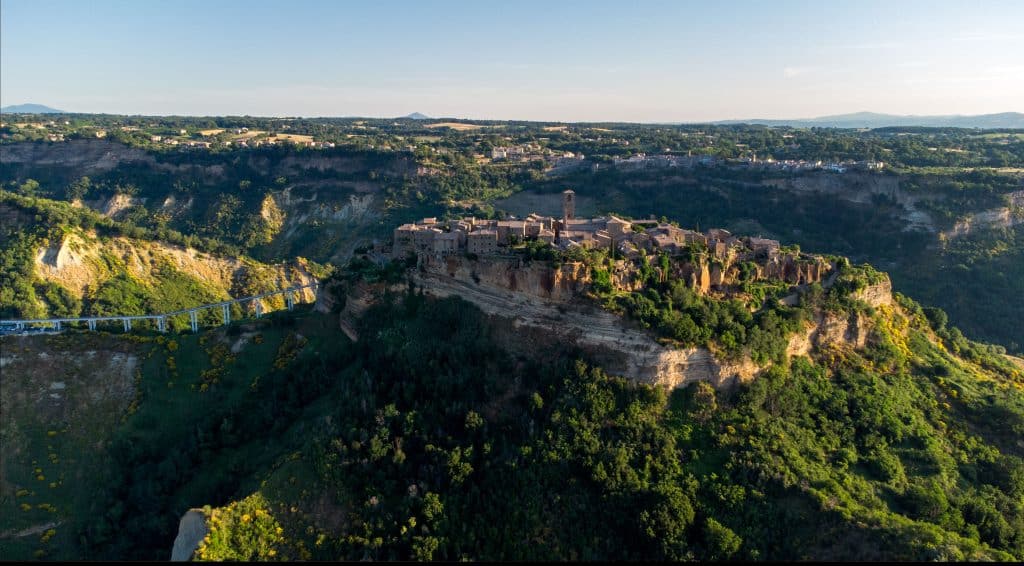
[862,119]
[30,108]
[867,119]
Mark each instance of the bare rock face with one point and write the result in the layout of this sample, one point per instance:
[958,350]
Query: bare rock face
[532,320]
[837,330]
[75,263]
[716,276]
[191,530]
[861,188]
[800,344]
[625,278]
[357,301]
[327,297]
[536,279]
[678,367]
[535,306]
[796,271]
[876,295]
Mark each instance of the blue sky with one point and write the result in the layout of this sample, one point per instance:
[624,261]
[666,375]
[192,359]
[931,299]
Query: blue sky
[553,60]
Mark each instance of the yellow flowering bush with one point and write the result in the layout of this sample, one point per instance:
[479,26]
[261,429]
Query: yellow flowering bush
[243,530]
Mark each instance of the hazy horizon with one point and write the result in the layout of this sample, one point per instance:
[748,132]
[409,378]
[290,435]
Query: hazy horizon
[646,62]
[506,119]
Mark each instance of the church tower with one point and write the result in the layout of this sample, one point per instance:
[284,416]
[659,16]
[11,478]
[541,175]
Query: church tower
[568,206]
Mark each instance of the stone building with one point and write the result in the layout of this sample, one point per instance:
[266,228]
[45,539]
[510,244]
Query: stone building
[482,242]
[568,205]
[485,236]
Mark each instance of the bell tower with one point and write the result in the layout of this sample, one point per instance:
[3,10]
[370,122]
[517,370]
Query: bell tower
[568,205]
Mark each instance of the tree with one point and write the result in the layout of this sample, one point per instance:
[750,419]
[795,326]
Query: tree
[77,190]
[937,318]
[29,188]
[723,544]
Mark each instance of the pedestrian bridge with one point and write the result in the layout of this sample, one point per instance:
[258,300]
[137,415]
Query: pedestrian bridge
[291,296]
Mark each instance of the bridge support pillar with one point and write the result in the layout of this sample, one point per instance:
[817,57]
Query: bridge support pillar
[193,319]
[161,324]
[289,299]
[259,308]
[127,324]
[56,325]
[227,314]
[92,324]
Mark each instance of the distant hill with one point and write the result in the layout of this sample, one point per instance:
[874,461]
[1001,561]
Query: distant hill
[875,120]
[417,116]
[30,109]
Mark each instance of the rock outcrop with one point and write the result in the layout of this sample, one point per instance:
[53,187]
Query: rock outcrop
[358,299]
[191,530]
[796,271]
[605,337]
[835,330]
[535,279]
[876,295]
[80,261]
[538,304]
[1003,217]
[95,157]
[862,188]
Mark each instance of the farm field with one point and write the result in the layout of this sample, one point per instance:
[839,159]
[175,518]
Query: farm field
[457,126]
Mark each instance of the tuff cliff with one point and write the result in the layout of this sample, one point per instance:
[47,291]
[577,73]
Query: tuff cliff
[94,157]
[862,188]
[533,305]
[558,283]
[82,262]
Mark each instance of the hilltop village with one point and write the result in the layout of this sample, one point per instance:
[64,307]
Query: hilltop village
[486,251]
[431,240]
[628,238]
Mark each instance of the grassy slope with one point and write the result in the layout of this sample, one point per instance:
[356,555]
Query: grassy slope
[85,273]
[62,398]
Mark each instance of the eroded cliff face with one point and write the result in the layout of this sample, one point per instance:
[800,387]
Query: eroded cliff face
[861,188]
[876,295]
[357,300]
[1003,217]
[563,282]
[558,284]
[96,156]
[536,306]
[704,275]
[530,321]
[82,261]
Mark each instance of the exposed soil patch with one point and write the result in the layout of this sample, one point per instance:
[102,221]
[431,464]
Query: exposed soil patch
[36,530]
